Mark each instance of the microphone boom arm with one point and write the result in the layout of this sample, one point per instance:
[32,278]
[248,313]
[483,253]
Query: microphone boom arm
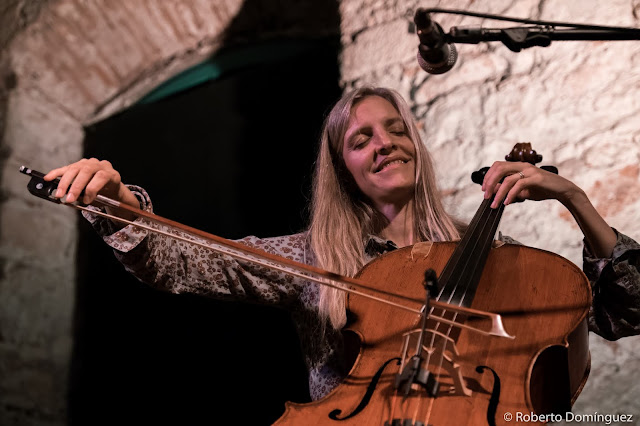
[518,38]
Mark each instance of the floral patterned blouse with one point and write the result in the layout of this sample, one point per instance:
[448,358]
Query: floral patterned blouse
[180,267]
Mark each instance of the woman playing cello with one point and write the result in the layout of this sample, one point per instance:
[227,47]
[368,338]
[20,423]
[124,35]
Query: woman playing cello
[374,191]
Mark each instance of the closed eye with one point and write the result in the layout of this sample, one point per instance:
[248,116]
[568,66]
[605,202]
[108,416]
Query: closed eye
[397,127]
[360,141]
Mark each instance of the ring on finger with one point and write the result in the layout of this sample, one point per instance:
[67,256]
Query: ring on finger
[521,175]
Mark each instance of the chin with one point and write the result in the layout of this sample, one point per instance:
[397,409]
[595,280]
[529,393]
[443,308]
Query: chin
[396,194]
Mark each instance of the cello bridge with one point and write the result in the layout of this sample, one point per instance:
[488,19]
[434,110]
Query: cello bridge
[442,355]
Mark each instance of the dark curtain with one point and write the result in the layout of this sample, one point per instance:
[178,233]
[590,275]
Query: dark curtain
[233,157]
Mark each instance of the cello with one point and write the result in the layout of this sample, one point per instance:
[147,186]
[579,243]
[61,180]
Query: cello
[456,376]
[433,362]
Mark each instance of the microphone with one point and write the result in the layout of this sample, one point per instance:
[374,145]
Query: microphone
[435,56]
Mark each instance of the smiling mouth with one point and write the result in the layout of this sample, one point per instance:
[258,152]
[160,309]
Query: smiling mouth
[385,165]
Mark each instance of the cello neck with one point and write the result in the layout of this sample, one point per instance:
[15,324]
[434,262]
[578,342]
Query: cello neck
[459,279]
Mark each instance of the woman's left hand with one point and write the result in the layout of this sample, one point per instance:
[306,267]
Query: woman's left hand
[524,181]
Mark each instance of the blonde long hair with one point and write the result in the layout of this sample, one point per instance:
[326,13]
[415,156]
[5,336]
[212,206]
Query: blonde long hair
[342,217]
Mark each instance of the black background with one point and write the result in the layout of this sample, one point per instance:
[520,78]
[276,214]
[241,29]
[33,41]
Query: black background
[232,157]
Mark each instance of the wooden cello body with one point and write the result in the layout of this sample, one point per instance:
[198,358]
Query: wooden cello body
[543,300]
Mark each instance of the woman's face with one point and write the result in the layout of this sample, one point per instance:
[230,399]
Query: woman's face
[378,152]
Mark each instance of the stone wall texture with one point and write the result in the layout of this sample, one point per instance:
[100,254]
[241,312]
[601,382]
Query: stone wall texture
[576,102]
[68,63]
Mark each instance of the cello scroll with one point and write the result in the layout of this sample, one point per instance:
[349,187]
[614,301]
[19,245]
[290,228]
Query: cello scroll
[521,151]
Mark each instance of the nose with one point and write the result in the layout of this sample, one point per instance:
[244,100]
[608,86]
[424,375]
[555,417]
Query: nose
[384,143]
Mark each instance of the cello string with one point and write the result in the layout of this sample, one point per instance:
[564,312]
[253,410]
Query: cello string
[478,226]
[416,411]
[483,240]
[392,410]
[446,275]
[481,232]
[491,223]
[456,265]
[461,263]
[427,416]
[487,243]
[463,247]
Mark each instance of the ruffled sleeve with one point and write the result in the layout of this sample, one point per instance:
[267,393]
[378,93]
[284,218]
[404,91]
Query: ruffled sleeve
[178,266]
[615,283]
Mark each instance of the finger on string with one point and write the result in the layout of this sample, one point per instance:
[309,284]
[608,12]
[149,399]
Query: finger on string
[486,182]
[503,190]
[493,177]
[515,191]
[490,187]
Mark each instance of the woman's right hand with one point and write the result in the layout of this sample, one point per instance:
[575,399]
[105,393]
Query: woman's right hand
[94,177]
